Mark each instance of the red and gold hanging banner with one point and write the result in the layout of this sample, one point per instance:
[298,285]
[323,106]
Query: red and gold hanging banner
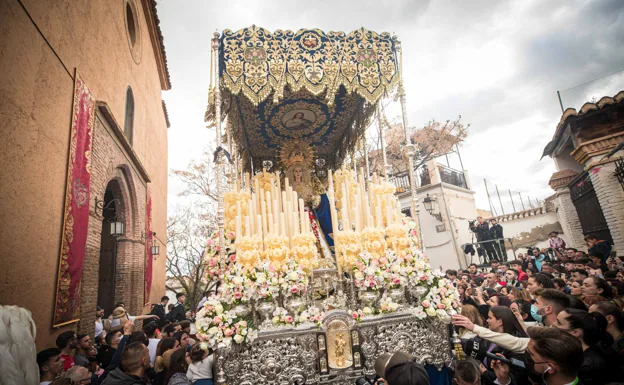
[76,213]
[148,245]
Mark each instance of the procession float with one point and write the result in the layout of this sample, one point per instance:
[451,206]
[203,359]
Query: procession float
[319,270]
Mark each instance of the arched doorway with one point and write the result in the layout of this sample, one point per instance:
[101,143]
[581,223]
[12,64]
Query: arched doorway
[108,254]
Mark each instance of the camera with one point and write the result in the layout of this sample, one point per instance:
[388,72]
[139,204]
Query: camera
[477,349]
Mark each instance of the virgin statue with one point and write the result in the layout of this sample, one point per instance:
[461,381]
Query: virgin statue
[297,158]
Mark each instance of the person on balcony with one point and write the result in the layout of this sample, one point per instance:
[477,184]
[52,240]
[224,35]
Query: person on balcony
[496,232]
[486,245]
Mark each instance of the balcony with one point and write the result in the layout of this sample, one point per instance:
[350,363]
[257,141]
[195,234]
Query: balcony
[447,175]
[451,176]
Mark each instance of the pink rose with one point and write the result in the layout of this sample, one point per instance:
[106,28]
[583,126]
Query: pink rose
[210,242]
[396,281]
[372,284]
[289,319]
[443,290]
[238,295]
[243,323]
[294,290]
[423,277]
[354,315]
[383,260]
[212,262]
[217,320]
[232,257]
[440,306]
[425,303]
[228,332]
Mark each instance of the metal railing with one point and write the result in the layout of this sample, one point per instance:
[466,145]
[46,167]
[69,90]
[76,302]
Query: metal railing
[490,250]
[452,176]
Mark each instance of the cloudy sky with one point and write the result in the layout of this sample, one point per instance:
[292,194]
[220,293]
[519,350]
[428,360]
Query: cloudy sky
[496,63]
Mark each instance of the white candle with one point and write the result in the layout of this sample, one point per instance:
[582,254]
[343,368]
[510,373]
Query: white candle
[247,226]
[271,225]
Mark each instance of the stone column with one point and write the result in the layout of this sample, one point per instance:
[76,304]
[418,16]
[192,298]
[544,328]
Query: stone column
[569,219]
[566,212]
[611,197]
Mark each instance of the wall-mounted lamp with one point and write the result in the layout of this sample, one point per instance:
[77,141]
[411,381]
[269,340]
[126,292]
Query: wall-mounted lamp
[429,204]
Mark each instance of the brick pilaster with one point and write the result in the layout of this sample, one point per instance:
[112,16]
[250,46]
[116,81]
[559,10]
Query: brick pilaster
[568,217]
[611,197]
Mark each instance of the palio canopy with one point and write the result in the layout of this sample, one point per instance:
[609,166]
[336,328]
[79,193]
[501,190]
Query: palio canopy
[310,85]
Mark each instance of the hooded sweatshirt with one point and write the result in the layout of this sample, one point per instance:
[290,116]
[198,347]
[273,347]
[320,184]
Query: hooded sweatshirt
[119,377]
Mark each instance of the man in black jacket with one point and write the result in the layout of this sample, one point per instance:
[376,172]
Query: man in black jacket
[159,310]
[496,232]
[482,230]
[179,312]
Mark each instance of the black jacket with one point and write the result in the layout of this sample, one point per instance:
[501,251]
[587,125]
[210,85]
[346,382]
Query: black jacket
[159,310]
[178,313]
[597,367]
[601,249]
[483,231]
[118,377]
[496,231]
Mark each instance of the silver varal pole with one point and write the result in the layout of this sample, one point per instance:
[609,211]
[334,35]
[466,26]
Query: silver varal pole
[411,151]
[220,219]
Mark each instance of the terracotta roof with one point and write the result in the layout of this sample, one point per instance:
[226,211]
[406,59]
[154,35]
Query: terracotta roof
[587,107]
[158,44]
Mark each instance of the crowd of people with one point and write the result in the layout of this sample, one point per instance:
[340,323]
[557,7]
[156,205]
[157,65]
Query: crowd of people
[552,316]
[558,312]
[162,352]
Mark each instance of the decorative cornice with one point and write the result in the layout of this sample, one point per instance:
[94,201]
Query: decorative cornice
[596,147]
[561,178]
[522,214]
[158,44]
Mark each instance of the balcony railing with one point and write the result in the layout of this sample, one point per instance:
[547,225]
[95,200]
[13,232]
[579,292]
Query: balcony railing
[447,175]
[451,176]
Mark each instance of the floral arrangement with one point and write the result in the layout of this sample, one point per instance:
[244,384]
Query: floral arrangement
[230,201]
[304,250]
[311,315]
[442,300]
[211,253]
[349,247]
[374,241]
[238,286]
[276,250]
[281,317]
[386,305]
[294,281]
[264,180]
[267,281]
[249,251]
[216,325]
[368,273]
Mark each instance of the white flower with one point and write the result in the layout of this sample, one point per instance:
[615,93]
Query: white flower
[204,345]
[367,310]
[293,276]
[237,280]
[371,270]
[261,278]
[359,275]
[219,309]
[431,312]
[238,338]
[213,330]
[394,306]
[419,313]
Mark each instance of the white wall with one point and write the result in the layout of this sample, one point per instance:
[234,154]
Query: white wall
[439,246]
